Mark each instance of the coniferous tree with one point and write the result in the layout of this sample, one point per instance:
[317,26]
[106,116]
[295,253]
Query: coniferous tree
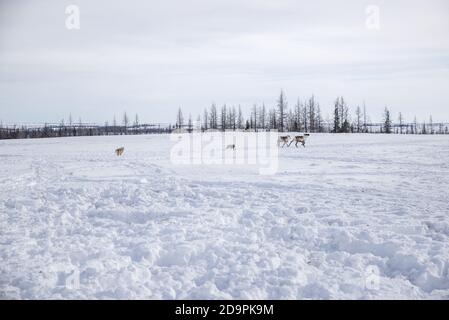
[247,126]
[240,119]
[263,117]
[415,125]
[198,123]
[431,125]
[345,126]
[233,119]
[387,121]
[190,123]
[337,116]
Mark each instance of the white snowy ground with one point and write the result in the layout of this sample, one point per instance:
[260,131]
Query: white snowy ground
[350,216]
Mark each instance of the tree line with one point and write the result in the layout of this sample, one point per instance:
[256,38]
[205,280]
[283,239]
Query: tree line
[72,128]
[304,116]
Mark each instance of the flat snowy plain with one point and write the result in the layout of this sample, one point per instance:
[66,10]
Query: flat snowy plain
[350,216]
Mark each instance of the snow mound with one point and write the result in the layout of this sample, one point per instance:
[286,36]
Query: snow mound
[350,216]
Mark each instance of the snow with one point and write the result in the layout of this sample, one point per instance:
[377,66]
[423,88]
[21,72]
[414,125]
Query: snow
[349,216]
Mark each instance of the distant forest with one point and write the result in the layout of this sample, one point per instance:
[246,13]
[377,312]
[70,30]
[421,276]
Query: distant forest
[304,116]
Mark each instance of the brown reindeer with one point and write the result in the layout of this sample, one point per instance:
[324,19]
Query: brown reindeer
[300,139]
[283,139]
[119,151]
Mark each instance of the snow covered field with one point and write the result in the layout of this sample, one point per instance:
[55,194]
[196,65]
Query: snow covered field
[350,216]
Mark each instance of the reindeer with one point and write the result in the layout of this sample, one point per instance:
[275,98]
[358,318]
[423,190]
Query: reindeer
[283,139]
[300,139]
[119,151]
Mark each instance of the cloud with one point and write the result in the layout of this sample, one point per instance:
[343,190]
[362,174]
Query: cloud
[152,57]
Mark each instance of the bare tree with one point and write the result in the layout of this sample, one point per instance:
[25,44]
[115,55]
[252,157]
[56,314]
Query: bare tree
[254,115]
[401,122]
[213,119]
[125,120]
[312,113]
[282,107]
[365,120]
[305,117]
[319,119]
[273,119]
[223,118]
[298,116]
[114,124]
[179,119]
[290,121]
[358,118]
[341,106]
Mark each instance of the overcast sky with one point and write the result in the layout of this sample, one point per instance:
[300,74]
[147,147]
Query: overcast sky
[151,57]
